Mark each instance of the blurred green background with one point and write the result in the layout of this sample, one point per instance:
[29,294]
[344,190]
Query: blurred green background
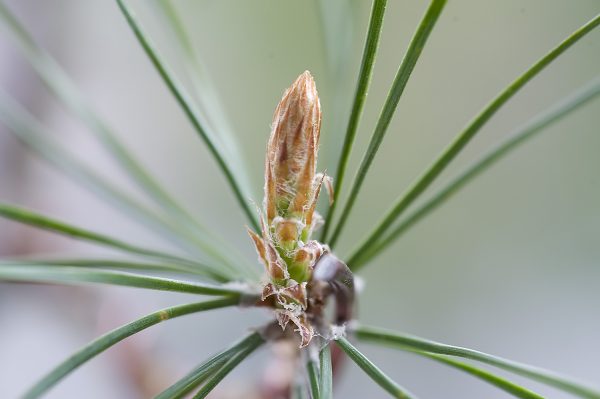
[509,266]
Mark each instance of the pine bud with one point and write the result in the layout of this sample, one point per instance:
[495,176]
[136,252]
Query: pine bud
[292,150]
[292,188]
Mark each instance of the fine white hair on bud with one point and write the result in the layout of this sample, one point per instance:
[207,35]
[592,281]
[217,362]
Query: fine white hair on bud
[338,332]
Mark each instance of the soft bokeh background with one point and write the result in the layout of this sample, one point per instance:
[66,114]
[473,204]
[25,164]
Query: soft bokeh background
[509,266]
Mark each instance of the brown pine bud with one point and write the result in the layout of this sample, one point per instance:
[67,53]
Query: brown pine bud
[292,150]
[292,189]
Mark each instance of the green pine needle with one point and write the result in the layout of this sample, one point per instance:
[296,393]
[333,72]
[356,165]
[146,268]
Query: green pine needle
[325,373]
[30,218]
[412,343]
[76,275]
[205,93]
[208,368]
[433,171]
[362,86]
[373,371]
[256,341]
[100,263]
[36,137]
[187,106]
[65,89]
[536,125]
[312,370]
[407,65]
[499,382]
[106,341]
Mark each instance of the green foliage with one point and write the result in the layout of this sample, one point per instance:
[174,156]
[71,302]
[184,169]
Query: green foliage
[205,255]
[255,340]
[536,125]
[33,135]
[187,106]
[325,373]
[106,341]
[70,275]
[360,96]
[210,367]
[463,138]
[373,371]
[313,378]
[486,376]
[410,342]
[415,48]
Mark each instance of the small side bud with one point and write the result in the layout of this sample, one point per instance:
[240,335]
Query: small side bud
[286,233]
